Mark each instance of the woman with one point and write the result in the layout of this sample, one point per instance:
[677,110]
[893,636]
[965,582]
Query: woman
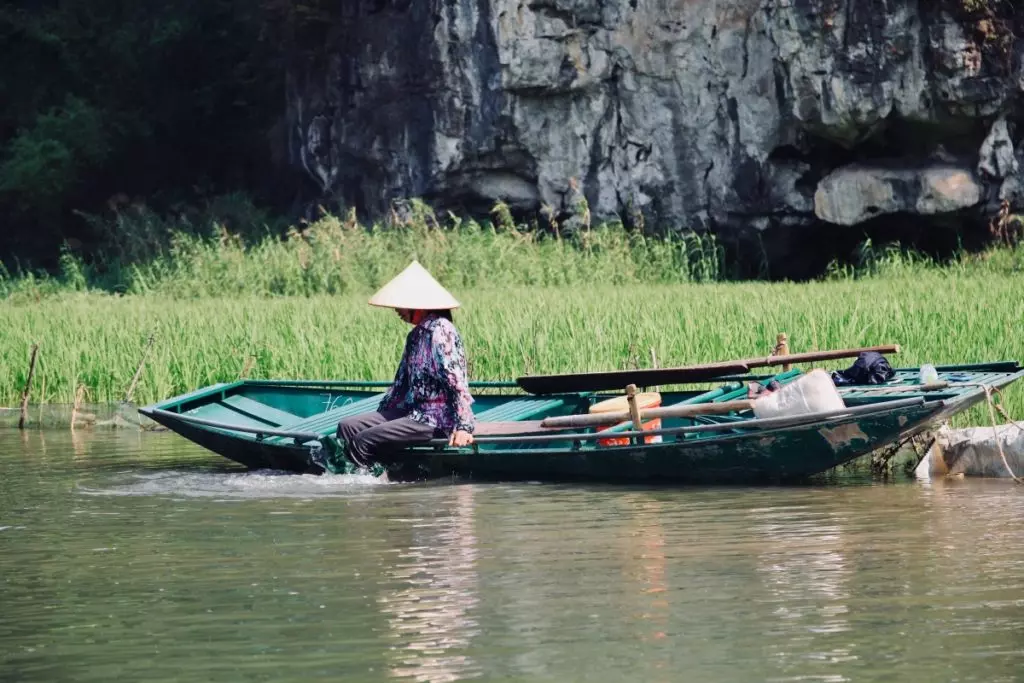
[430,395]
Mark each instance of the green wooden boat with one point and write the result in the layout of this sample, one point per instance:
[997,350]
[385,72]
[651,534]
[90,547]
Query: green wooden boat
[290,425]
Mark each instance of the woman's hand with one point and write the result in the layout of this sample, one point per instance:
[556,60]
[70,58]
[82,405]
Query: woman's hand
[460,438]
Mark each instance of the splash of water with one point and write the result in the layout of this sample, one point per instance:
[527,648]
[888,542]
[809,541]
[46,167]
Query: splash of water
[237,485]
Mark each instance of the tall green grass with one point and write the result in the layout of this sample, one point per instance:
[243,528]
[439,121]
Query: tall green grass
[534,301]
[334,255]
[938,316]
[337,255]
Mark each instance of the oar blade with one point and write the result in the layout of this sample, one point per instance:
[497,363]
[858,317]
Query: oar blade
[617,379]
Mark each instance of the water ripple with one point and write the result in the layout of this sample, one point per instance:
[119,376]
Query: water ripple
[120,560]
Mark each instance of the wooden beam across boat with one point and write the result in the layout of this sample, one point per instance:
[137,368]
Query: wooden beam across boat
[688,410]
[533,433]
[687,374]
[566,422]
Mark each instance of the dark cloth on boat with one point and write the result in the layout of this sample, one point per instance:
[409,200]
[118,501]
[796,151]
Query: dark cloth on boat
[365,436]
[870,367]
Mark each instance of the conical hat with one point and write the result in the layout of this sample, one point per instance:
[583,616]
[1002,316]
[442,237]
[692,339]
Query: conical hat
[416,289]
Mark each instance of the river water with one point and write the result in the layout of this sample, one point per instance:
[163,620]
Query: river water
[139,557]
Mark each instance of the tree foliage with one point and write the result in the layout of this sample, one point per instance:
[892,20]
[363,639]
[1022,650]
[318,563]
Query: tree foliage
[168,101]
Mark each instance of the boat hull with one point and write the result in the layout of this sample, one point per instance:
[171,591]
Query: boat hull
[782,455]
[290,426]
[248,452]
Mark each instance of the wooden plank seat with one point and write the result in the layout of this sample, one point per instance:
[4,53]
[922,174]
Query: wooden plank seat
[225,415]
[260,411]
[513,417]
[519,409]
[327,423]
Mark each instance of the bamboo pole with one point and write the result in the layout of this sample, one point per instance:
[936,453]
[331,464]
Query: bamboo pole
[812,356]
[138,371]
[28,386]
[782,349]
[634,412]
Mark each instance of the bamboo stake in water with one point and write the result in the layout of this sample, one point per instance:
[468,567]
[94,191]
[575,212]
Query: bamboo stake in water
[78,402]
[28,386]
[138,371]
[250,360]
[42,397]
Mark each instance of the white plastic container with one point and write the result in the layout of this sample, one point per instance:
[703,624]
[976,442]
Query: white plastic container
[927,374]
[810,393]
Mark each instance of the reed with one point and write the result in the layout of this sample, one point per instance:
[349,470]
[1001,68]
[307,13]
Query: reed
[96,340]
[535,301]
[337,255]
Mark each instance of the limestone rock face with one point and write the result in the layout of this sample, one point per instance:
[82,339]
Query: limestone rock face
[997,156]
[852,194]
[726,115]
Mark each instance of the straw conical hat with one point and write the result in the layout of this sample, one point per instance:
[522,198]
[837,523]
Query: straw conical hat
[416,289]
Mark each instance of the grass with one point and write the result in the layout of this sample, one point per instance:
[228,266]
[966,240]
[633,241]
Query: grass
[534,301]
[339,255]
[183,258]
[97,339]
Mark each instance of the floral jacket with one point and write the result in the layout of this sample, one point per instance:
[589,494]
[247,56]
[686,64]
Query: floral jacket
[431,385]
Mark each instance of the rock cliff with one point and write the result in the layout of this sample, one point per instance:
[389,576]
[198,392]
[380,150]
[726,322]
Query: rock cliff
[775,122]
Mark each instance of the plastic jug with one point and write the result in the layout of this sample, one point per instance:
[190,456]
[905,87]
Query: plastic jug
[810,393]
[928,374]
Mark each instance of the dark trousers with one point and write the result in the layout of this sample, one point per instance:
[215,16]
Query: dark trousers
[368,434]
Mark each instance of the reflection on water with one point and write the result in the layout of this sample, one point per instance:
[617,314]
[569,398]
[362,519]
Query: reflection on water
[804,558]
[805,573]
[138,557]
[430,609]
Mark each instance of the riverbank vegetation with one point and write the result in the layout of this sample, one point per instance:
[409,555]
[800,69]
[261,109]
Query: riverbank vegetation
[197,256]
[219,305]
[108,104]
[339,255]
[939,315]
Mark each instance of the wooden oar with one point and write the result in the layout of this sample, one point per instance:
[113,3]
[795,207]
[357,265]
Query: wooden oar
[511,428]
[687,374]
[617,379]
